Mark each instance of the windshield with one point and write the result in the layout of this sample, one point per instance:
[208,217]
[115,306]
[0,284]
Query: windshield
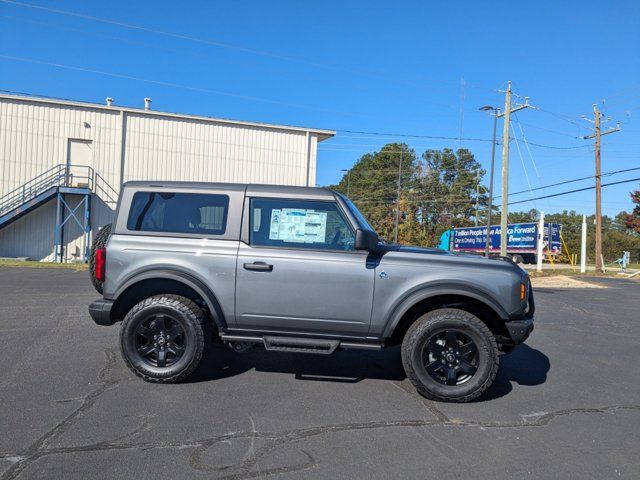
[356,213]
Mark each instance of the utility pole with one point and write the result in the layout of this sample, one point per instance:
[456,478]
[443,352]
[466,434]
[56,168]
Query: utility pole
[597,116]
[395,240]
[505,164]
[596,120]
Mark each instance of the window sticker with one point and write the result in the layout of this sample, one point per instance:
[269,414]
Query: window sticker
[298,225]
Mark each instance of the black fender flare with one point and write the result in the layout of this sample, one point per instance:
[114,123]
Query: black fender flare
[183,277]
[424,292]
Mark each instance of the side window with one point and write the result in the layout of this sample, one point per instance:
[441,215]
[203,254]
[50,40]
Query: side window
[299,224]
[194,213]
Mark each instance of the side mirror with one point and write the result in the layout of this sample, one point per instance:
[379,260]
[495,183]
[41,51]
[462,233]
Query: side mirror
[366,240]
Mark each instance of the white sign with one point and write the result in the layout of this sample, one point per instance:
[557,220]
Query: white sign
[298,225]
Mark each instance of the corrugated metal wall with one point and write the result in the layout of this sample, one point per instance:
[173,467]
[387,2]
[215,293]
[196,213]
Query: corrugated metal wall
[160,148]
[35,135]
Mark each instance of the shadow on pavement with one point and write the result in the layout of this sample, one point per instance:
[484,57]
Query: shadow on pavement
[348,366]
[524,366]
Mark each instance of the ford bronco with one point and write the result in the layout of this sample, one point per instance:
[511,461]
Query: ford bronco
[296,269]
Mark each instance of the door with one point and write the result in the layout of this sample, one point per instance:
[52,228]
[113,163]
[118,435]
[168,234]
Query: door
[300,272]
[79,162]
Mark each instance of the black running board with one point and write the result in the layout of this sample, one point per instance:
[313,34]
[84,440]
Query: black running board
[301,345]
[321,346]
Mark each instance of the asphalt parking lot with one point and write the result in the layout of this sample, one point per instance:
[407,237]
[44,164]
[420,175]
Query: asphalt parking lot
[565,405]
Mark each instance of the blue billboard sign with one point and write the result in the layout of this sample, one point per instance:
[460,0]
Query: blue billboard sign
[521,237]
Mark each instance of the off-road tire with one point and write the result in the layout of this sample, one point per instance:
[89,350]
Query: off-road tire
[193,321]
[461,321]
[99,241]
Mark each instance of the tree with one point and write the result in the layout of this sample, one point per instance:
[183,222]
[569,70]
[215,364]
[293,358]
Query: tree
[437,193]
[373,184]
[524,217]
[632,220]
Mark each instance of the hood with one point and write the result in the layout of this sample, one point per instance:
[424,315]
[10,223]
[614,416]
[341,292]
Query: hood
[438,254]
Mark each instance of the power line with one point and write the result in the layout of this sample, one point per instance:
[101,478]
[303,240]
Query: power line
[176,85]
[526,174]
[230,46]
[574,180]
[442,137]
[471,201]
[606,174]
[576,190]
[404,135]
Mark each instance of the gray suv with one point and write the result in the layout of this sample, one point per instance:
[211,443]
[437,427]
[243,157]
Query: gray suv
[296,269]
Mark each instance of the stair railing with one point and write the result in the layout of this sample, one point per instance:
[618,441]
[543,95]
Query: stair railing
[61,175]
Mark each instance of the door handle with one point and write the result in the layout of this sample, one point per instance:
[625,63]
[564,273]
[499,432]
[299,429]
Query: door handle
[258,267]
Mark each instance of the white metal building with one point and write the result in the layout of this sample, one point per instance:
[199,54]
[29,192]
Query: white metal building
[86,151]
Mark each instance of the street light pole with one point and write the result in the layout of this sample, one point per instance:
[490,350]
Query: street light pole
[395,240]
[496,112]
[348,179]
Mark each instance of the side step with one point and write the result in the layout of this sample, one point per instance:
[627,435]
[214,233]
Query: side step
[321,346]
[300,345]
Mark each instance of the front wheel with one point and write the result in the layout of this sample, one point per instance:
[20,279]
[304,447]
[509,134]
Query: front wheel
[450,355]
[162,338]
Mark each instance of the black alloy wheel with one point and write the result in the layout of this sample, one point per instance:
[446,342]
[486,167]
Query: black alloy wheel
[160,340]
[450,357]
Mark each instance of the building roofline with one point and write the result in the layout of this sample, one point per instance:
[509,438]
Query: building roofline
[321,133]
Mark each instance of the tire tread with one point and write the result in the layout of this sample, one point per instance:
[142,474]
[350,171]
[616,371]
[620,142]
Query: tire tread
[412,337]
[192,311]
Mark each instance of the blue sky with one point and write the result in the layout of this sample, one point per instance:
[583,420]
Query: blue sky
[390,67]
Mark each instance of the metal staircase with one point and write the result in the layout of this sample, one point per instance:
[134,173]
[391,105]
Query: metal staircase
[55,183]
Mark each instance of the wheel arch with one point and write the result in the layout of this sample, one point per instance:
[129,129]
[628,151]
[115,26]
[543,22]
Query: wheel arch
[467,298]
[152,282]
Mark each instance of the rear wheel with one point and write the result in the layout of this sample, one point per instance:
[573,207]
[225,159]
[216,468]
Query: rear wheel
[450,355]
[162,338]
[99,241]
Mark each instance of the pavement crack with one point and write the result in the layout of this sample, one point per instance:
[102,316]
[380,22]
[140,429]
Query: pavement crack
[244,469]
[428,404]
[39,447]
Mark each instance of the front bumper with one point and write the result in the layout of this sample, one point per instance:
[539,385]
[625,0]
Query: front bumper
[519,330]
[100,311]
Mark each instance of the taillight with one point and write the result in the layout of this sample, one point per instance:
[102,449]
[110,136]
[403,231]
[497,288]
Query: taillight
[523,291]
[101,261]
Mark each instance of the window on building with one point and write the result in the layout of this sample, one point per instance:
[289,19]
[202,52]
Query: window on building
[194,213]
[299,224]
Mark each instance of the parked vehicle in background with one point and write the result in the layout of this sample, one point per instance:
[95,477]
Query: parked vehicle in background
[297,269]
[522,240]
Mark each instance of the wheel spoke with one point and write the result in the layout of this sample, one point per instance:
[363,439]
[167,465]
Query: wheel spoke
[434,347]
[146,350]
[161,324]
[467,368]
[145,332]
[174,332]
[162,358]
[451,341]
[177,350]
[467,349]
[452,378]
[432,367]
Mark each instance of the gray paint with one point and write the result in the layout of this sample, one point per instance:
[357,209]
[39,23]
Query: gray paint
[350,294]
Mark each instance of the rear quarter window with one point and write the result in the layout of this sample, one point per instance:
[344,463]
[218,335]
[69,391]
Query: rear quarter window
[174,212]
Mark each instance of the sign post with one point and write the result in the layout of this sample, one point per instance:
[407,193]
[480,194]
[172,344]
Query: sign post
[583,246]
[540,241]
